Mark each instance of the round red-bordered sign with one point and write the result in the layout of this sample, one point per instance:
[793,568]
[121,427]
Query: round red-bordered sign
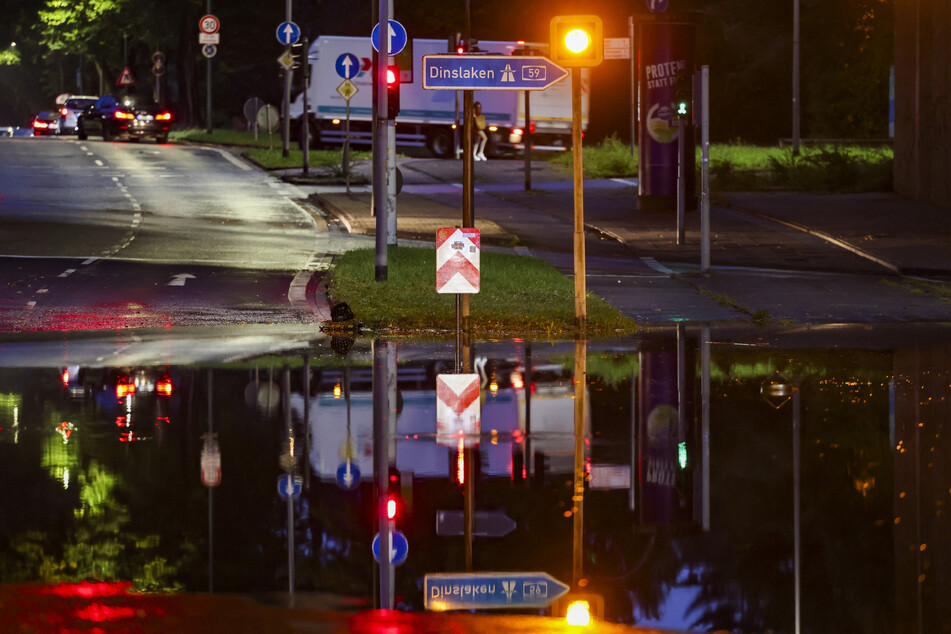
[209,24]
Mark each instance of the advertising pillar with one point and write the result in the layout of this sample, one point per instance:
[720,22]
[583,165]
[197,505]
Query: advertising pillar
[664,47]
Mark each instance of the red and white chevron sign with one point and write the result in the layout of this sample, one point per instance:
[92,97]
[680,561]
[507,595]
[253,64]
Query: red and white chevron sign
[458,410]
[457,260]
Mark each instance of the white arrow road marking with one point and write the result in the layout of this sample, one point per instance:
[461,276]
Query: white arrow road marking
[179,280]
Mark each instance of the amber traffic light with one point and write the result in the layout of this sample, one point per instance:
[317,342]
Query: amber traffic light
[576,40]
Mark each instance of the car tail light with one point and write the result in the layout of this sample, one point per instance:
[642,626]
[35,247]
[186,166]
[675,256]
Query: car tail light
[164,116]
[63,111]
[122,114]
[40,124]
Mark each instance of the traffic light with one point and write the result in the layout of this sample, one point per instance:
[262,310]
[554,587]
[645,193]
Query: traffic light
[683,93]
[392,92]
[576,40]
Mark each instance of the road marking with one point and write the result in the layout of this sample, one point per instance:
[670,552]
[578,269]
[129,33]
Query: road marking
[99,163]
[89,261]
[232,159]
[657,266]
[297,291]
[180,279]
[67,273]
[30,305]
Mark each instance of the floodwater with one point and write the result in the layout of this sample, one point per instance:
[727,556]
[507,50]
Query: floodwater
[692,478]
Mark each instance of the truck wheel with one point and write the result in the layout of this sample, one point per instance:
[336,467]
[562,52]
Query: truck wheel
[441,144]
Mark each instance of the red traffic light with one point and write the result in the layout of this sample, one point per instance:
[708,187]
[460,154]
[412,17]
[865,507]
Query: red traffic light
[391,75]
[391,508]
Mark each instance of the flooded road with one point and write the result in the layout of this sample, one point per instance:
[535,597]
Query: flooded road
[690,479]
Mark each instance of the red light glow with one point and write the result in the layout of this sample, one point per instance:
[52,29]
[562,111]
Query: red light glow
[88,590]
[65,378]
[391,508]
[164,116]
[121,114]
[390,76]
[124,389]
[164,386]
[97,613]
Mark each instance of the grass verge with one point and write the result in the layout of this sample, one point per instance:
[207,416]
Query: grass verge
[520,296]
[266,150]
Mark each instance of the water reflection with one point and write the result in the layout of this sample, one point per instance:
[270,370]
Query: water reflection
[674,491]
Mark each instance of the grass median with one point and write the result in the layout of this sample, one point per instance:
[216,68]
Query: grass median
[519,296]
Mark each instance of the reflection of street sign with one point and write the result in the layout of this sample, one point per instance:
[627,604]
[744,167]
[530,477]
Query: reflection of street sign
[487,524]
[289,486]
[286,60]
[347,66]
[209,38]
[491,590]
[125,78]
[657,6]
[396,38]
[399,548]
[347,89]
[348,475]
[209,50]
[458,410]
[490,72]
[457,260]
[209,24]
[288,33]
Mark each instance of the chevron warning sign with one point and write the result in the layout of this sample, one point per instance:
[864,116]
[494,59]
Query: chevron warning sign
[457,260]
[458,410]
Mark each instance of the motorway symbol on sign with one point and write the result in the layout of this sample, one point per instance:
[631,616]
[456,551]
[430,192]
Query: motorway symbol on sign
[289,486]
[347,65]
[347,89]
[286,60]
[491,590]
[209,24]
[288,33]
[209,50]
[487,524]
[396,39]
[399,547]
[457,260]
[348,476]
[125,78]
[458,410]
[490,72]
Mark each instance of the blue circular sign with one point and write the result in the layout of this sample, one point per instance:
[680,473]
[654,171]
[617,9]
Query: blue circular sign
[398,551]
[396,38]
[288,486]
[348,476]
[288,33]
[347,65]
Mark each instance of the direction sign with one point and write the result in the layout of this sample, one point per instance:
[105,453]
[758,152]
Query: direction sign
[396,38]
[399,547]
[289,486]
[209,50]
[490,72]
[457,260]
[347,65]
[348,476]
[487,524]
[491,590]
[347,89]
[458,409]
[209,24]
[288,33]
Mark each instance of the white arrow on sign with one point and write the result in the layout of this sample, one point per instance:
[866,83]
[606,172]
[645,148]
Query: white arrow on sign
[179,280]
[347,63]
[288,33]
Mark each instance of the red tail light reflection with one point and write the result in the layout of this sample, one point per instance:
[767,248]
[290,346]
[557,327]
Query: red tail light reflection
[124,389]
[164,386]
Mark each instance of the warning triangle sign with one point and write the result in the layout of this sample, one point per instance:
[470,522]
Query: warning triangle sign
[125,78]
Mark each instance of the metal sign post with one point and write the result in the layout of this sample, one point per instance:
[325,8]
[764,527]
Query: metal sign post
[581,307]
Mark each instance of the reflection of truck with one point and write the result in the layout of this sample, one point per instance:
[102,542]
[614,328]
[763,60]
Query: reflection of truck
[427,117]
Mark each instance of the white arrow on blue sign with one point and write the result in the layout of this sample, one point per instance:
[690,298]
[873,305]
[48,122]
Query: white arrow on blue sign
[348,475]
[347,65]
[288,33]
[396,39]
[491,590]
[289,486]
[399,548]
[490,72]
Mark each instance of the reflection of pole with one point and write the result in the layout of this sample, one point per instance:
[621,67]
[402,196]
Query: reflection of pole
[705,424]
[577,498]
[290,499]
[795,79]
[468,509]
[633,72]
[381,466]
[705,169]
[211,502]
[681,382]
[581,308]
[306,390]
[681,177]
[797,538]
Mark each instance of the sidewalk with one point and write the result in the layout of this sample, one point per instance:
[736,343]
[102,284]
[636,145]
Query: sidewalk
[801,257]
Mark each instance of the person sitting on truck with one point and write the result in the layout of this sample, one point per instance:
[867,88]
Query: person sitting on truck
[478,153]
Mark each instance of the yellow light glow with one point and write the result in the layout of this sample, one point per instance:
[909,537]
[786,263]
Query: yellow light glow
[493,128]
[337,390]
[577,40]
[579,613]
[336,121]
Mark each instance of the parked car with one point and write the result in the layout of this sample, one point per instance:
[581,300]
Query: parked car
[131,117]
[69,112]
[45,123]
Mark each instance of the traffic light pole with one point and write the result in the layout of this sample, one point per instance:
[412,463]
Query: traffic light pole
[681,177]
[581,308]
[379,145]
[286,147]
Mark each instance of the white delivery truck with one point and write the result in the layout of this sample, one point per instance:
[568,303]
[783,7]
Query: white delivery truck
[427,117]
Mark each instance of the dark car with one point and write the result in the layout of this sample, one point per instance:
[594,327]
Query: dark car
[131,117]
[47,122]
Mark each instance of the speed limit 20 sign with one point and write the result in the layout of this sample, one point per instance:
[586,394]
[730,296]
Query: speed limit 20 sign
[209,24]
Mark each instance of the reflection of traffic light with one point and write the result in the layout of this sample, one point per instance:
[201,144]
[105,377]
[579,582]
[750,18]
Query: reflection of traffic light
[392,92]
[576,40]
[683,93]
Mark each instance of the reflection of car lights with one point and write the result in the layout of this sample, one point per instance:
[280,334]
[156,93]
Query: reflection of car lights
[164,386]
[124,389]
[517,381]
[65,378]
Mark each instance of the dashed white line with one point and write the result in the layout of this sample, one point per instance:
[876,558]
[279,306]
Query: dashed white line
[30,305]
[67,273]
[657,266]
[88,261]
[99,163]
